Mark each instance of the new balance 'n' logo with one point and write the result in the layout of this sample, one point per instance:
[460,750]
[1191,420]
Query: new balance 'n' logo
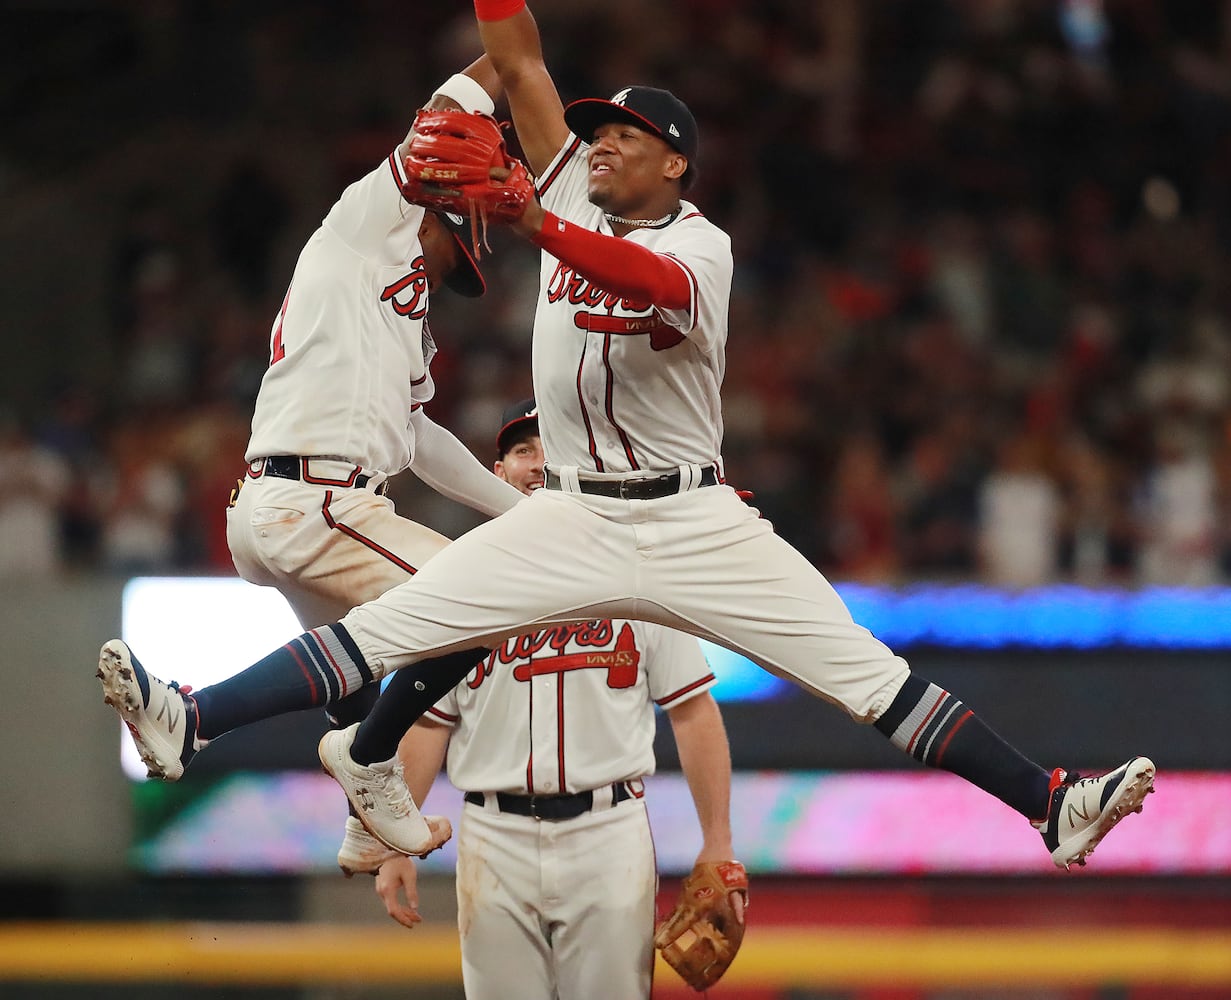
[173,717]
[1082,814]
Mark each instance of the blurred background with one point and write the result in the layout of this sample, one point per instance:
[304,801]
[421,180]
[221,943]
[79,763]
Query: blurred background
[979,373]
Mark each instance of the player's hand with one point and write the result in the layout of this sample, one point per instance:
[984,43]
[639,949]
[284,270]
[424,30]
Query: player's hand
[397,885]
[716,855]
[530,222]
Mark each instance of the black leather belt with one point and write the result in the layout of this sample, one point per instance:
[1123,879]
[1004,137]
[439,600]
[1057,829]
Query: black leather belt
[640,488]
[549,807]
[292,467]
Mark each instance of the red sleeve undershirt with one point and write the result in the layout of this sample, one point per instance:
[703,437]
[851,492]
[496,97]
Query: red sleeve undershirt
[616,265]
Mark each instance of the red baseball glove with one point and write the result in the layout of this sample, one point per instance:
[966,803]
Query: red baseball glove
[702,935]
[458,162]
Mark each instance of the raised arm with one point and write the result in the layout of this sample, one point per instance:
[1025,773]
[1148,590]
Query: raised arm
[476,88]
[511,39]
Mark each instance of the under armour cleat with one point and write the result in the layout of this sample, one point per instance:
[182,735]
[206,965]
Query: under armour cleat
[161,718]
[363,854]
[1081,811]
[379,795]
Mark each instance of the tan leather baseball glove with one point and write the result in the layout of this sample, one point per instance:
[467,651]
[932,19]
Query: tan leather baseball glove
[702,935]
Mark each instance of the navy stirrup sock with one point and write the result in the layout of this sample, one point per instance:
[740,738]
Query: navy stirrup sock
[937,729]
[321,666]
[353,708]
[411,691]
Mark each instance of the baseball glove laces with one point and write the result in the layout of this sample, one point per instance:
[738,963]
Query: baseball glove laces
[458,162]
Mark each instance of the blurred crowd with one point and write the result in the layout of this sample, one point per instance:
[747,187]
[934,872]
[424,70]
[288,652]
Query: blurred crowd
[981,323]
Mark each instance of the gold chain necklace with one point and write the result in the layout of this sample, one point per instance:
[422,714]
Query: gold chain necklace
[640,223]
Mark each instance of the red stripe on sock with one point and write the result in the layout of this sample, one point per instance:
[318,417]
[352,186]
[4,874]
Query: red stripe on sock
[952,732]
[910,744]
[304,668]
[332,662]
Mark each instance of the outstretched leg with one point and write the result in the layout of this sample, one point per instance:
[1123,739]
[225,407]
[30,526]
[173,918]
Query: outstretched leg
[1071,812]
[363,758]
[169,723]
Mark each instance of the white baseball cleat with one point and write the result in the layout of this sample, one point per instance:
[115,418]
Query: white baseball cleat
[161,718]
[363,854]
[379,795]
[1082,811]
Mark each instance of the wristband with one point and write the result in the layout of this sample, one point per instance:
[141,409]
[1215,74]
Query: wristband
[469,93]
[497,10]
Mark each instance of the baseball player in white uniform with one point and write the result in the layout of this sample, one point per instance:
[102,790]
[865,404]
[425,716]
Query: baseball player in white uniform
[341,407]
[550,738]
[635,520]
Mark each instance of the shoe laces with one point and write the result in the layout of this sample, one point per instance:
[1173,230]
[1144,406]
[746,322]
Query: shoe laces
[1071,778]
[396,792]
[180,688]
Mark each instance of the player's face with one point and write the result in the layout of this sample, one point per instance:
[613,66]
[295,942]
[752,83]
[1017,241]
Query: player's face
[440,251]
[522,465]
[629,168]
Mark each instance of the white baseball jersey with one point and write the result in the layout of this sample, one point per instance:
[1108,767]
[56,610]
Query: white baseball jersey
[640,391]
[568,708]
[350,347]
[564,709]
[347,380]
[617,391]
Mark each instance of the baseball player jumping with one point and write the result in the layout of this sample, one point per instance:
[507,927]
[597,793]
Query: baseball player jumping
[634,520]
[341,409]
[549,738]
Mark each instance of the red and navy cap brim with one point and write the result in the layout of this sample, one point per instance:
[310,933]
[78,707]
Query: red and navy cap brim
[515,416]
[466,278]
[661,113]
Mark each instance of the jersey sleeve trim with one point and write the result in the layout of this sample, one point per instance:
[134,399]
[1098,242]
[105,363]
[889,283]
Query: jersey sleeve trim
[565,156]
[694,288]
[399,171]
[694,688]
[440,715]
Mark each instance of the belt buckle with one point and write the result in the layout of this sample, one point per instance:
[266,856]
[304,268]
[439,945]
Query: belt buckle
[632,489]
[534,807]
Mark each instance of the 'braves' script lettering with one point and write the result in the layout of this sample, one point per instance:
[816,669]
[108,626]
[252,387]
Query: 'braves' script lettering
[543,652]
[567,284]
[409,293]
[600,317]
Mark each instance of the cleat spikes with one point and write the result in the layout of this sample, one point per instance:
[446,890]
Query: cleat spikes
[1083,810]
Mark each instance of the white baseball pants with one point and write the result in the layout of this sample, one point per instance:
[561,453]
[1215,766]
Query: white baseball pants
[701,561]
[556,909]
[326,550]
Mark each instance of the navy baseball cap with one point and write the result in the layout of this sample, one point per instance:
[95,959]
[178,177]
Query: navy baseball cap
[466,278]
[657,111]
[515,417]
